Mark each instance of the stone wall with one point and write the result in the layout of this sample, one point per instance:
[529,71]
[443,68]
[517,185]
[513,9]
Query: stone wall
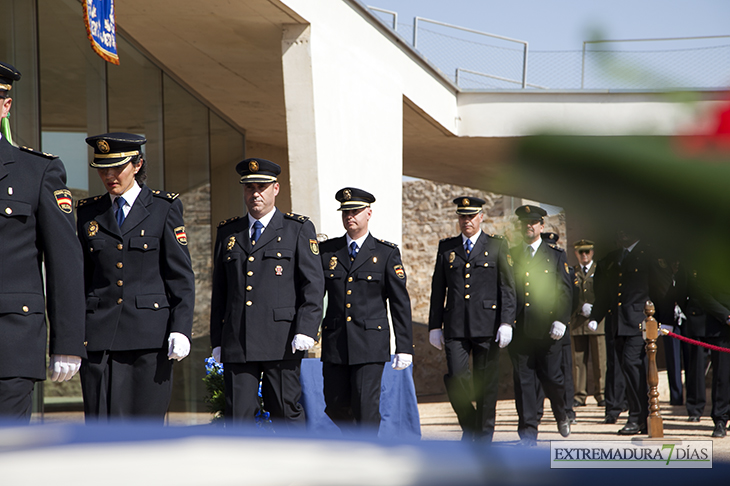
[429,216]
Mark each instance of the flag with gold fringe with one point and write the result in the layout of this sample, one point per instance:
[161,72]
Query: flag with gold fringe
[101,28]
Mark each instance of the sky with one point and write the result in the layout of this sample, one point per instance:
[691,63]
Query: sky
[549,25]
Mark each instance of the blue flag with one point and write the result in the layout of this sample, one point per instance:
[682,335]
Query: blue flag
[101,28]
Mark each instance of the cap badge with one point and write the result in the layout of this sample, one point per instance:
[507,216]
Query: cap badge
[93,229]
[527,209]
[465,202]
[103,146]
[347,194]
[253,166]
[333,262]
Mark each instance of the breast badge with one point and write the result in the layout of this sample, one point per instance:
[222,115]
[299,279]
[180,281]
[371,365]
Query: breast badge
[231,243]
[64,200]
[333,262]
[399,271]
[452,257]
[279,270]
[181,236]
[92,229]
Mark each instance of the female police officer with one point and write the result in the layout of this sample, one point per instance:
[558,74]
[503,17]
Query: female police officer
[139,282]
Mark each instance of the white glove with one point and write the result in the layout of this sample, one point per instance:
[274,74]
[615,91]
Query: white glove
[216,354]
[436,338]
[504,335]
[667,327]
[301,342]
[402,361]
[63,367]
[585,311]
[557,330]
[592,325]
[178,346]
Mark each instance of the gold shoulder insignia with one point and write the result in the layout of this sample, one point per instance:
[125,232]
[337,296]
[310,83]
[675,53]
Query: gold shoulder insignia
[555,247]
[40,154]
[296,217]
[392,245]
[499,237]
[226,221]
[166,195]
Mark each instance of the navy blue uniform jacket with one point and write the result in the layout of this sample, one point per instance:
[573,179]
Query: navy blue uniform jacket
[355,329]
[479,288]
[140,285]
[36,227]
[264,294]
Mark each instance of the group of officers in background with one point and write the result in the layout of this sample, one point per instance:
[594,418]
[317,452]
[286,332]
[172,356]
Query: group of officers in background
[554,318]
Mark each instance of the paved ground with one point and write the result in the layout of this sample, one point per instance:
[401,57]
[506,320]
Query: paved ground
[438,422]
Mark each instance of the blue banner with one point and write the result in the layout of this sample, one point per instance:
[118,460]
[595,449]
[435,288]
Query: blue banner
[101,28]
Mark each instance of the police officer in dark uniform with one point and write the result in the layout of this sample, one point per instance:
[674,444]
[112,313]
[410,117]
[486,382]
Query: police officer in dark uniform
[362,276]
[266,306]
[624,280]
[140,287]
[36,225]
[544,298]
[473,274]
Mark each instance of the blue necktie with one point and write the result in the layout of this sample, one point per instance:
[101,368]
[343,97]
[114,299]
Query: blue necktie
[468,245]
[120,202]
[353,251]
[257,227]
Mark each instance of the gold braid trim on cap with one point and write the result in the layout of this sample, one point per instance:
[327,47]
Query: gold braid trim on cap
[117,155]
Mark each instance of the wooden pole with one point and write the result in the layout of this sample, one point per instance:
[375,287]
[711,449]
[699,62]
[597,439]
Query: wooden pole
[655,424]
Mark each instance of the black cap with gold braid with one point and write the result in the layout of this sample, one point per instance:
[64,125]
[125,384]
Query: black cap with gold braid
[353,198]
[8,74]
[115,149]
[468,204]
[255,170]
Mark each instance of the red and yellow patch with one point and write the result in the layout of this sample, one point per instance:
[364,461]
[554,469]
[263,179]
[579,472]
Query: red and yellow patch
[181,236]
[399,271]
[314,246]
[64,200]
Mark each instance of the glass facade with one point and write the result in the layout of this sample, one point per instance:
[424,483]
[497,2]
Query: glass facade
[68,93]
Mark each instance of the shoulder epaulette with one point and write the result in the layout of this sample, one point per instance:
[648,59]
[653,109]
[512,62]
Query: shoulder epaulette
[392,245]
[555,247]
[296,217]
[40,154]
[499,237]
[166,195]
[226,221]
[83,202]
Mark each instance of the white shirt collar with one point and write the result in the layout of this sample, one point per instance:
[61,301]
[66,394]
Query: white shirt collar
[359,241]
[129,197]
[534,246]
[473,238]
[588,267]
[265,219]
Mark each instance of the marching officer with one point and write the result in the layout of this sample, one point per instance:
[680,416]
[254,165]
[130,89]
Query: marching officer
[473,273]
[544,299]
[362,276]
[140,287]
[37,225]
[266,305]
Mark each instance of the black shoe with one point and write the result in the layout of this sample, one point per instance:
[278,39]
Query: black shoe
[610,419]
[573,421]
[720,430]
[632,429]
[564,427]
[693,418]
[602,403]
[578,403]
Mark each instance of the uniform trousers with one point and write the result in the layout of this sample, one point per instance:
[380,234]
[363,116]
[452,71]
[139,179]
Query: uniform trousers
[16,399]
[694,377]
[352,395]
[281,391]
[631,351]
[126,384]
[481,384]
[585,347]
[566,365]
[672,349]
[615,390]
[533,360]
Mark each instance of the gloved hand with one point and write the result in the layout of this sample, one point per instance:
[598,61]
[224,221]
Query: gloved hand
[668,327]
[436,338]
[557,330]
[402,361]
[585,311]
[63,367]
[504,335]
[178,346]
[301,342]
[216,354]
[592,325]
